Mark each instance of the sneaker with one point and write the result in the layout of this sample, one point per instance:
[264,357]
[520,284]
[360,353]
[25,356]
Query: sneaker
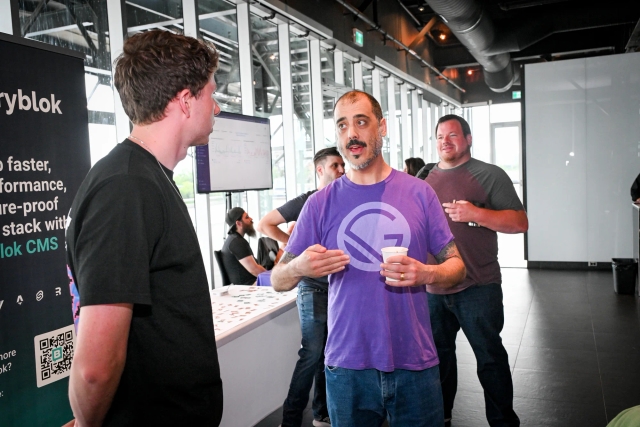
[325,422]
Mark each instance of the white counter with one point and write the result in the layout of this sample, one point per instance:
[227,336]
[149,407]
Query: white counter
[258,338]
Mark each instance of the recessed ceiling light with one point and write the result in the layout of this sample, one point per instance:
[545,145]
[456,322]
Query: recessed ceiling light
[443,36]
[421,8]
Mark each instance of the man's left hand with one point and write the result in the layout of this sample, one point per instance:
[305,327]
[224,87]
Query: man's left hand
[461,211]
[407,271]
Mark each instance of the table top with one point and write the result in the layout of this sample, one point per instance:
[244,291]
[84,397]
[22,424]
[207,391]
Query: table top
[246,309]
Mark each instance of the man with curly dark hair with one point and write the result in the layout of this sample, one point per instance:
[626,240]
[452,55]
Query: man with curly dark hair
[146,351]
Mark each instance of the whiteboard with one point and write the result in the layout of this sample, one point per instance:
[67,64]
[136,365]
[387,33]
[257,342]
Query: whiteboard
[238,156]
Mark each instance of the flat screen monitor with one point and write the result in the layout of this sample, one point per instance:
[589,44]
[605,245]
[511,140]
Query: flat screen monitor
[238,156]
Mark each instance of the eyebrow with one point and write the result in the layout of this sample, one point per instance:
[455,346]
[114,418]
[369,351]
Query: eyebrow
[357,116]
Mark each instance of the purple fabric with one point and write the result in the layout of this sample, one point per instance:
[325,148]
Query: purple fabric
[264,279]
[372,325]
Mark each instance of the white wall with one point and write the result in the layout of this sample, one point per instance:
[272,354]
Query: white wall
[582,154]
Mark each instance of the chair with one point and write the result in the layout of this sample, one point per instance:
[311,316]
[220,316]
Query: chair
[267,252]
[223,270]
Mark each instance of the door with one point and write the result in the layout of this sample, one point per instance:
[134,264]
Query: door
[506,152]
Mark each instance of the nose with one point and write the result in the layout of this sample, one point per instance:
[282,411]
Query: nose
[352,133]
[341,169]
[216,107]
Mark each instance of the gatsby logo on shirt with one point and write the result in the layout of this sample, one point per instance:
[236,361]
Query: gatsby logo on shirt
[367,229]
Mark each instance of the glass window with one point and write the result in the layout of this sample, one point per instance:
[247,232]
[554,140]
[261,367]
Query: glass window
[347,64]
[500,113]
[384,104]
[480,130]
[329,128]
[268,103]
[218,24]
[326,59]
[367,80]
[399,130]
[56,25]
[162,14]
[302,122]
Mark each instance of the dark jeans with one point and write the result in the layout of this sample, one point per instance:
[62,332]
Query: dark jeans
[312,308]
[365,398]
[479,312]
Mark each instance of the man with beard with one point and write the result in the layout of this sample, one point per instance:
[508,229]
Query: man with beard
[479,200]
[381,361]
[237,255]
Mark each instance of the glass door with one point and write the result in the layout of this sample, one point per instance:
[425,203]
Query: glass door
[506,153]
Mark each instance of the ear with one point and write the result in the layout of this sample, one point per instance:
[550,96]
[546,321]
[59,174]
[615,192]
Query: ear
[184,99]
[319,171]
[469,140]
[383,127]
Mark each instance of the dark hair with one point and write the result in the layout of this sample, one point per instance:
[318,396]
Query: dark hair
[155,66]
[321,155]
[414,164]
[353,95]
[466,130]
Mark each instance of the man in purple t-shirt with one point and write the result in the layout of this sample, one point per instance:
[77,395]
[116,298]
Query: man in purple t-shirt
[479,199]
[380,357]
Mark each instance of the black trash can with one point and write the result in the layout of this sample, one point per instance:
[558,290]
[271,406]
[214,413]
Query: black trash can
[625,271]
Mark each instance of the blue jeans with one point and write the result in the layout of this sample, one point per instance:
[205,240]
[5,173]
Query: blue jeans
[364,398]
[312,309]
[479,312]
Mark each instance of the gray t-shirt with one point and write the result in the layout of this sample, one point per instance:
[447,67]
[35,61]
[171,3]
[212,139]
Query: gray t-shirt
[486,186]
[290,211]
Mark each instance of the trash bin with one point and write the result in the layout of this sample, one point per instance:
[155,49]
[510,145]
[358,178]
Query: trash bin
[625,271]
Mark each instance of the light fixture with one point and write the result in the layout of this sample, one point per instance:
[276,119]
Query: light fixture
[572,154]
[470,72]
[442,36]
[421,8]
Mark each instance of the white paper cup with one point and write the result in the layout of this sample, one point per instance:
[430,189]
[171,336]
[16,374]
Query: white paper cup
[391,251]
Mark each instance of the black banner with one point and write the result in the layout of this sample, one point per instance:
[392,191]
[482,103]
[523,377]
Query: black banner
[44,155]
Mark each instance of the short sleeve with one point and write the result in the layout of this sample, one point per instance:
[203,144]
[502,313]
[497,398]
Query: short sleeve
[240,248]
[291,210]
[305,233]
[503,194]
[115,238]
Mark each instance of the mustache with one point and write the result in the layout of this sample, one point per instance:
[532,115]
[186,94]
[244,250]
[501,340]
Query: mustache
[356,142]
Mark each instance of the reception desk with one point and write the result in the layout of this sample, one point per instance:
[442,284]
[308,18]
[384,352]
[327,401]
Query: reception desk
[258,337]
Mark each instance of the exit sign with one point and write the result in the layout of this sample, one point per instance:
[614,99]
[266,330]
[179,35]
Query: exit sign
[358,37]
[516,94]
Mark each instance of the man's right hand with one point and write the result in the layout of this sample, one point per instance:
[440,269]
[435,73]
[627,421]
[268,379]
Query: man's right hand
[318,261]
[315,261]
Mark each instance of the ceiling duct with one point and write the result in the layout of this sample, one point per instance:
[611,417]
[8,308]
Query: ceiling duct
[474,28]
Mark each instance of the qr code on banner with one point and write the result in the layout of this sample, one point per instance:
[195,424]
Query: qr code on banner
[54,352]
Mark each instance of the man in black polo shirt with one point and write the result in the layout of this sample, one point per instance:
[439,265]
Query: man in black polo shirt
[237,255]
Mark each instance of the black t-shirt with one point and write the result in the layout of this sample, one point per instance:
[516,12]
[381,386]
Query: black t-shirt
[234,249]
[131,240]
[290,211]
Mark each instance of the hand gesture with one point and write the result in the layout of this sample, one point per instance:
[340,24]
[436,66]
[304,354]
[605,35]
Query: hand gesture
[460,211]
[318,261]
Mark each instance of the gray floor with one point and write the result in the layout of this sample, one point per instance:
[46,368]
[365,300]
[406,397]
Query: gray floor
[574,350]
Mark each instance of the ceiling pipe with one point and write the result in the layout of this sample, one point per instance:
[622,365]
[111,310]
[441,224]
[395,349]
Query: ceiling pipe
[475,30]
[388,36]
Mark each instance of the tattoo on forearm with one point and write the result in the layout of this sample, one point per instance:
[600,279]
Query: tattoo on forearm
[449,251]
[287,257]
